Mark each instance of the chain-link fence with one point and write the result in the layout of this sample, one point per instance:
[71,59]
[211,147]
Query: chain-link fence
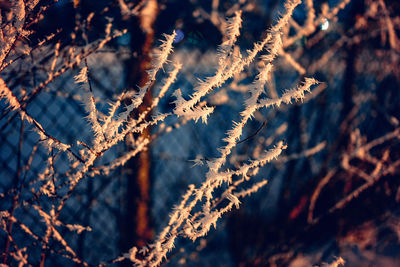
[333,193]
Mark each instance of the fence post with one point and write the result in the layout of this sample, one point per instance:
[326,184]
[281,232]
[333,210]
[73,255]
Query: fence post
[136,227]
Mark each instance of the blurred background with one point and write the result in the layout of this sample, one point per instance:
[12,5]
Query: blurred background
[333,193]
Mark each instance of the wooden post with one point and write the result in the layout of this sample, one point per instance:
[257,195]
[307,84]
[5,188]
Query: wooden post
[136,228]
